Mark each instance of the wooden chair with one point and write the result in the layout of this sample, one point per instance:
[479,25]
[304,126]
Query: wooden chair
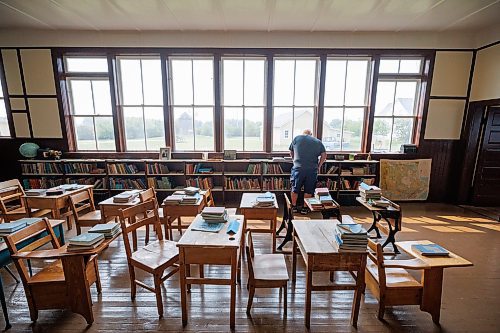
[46,289]
[390,282]
[12,205]
[286,222]
[84,202]
[265,271]
[154,258]
[208,198]
[145,196]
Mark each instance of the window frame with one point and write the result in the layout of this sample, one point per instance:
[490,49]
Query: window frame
[243,106]
[3,99]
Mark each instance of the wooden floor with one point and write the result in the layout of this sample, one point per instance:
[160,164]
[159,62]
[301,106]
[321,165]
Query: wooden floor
[471,296]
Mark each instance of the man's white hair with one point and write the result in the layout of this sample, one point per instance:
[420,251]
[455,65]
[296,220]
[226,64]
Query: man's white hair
[307,132]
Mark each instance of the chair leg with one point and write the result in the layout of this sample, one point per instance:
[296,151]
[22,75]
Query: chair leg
[11,273]
[179,225]
[146,238]
[133,286]
[97,277]
[285,297]
[381,309]
[78,228]
[251,293]
[159,302]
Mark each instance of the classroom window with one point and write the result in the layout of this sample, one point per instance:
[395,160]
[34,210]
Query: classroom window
[397,101]
[346,103]
[91,113]
[4,123]
[141,102]
[294,98]
[86,64]
[192,101]
[243,102]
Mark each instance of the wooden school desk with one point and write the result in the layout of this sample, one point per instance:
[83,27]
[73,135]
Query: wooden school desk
[210,248]
[326,211]
[432,279]
[315,241]
[176,212]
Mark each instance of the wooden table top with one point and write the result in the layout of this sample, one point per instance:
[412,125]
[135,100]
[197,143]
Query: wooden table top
[453,260]
[374,208]
[65,194]
[53,223]
[248,200]
[317,236]
[195,238]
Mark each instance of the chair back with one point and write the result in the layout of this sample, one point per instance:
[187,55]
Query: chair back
[81,201]
[10,191]
[378,259]
[288,211]
[137,216]
[208,198]
[16,243]
[147,195]
[250,254]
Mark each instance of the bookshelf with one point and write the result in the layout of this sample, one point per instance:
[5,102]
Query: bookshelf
[227,179]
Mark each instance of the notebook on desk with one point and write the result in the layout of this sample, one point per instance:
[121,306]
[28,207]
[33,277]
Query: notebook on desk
[431,250]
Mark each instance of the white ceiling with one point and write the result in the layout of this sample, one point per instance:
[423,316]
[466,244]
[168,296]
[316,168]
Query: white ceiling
[250,15]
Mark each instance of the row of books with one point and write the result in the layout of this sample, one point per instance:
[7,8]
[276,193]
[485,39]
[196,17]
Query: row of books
[83,168]
[119,183]
[120,168]
[330,184]
[42,183]
[241,183]
[157,168]
[329,169]
[160,183]
[356,171]
[203,183]
[198,168]
[41,167]
[275,183]
[272,168]
[254,169]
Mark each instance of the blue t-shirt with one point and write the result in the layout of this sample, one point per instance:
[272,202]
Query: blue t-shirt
[306,150]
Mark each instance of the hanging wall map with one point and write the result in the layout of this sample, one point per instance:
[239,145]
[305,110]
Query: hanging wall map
[405,179]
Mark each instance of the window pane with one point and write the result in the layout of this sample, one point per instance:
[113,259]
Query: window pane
[102,98]
[233,128]
[353,129]
[203,76]
[335,82]
[204,128]
[388,66]
[283,82]
[402,132]
[385,98]
[134,128]
[4,124]
[410,66]
[87,65]
[85,136]
[405,98]
[355,94]
[332,128]
[182,82]
[303,120]
[131,81]
[105,133]
[305,82]
[152,82]
[282,128]
[155,128]
[81,97]
[254,82]
[254,134]
[382,128]
[233,82]
[1,92]
[183,128]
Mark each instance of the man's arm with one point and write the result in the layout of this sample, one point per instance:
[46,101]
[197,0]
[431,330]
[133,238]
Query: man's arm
[291,153]
[322,160]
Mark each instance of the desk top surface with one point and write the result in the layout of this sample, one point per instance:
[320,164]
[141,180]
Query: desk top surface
[66,193]
[248,200]
[453,260]
[195,238]
[53,223]
[317,236]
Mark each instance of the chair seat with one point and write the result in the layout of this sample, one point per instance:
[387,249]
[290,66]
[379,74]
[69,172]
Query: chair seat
[93,215]
[395,277]
[156,254]
[270,267]
[53,272]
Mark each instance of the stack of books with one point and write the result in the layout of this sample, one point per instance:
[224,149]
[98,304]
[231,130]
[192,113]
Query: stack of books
[85,242]
[11,227]
[108,230]
[214,214]
[55,191]
[125,197]
[191,190]
[35,192]
[314,203]
[265,200]
[190,199]
[369,192]
[174,199]
[322,194]
[351,237]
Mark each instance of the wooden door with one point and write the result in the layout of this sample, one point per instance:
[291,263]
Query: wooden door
[486,188]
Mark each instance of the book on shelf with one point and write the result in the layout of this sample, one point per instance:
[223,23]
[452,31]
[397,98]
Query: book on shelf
[42,167]
[123,184]
[122,168]
[198,168]
[241,183]
[163,183]
[90,168]
[431,250]
[345,172]
[330,184]
[272,169]
[276,183]
[157,168]
[358,171]
[331,170]
[202,183]
[254,169]
[108,230]
[42,183]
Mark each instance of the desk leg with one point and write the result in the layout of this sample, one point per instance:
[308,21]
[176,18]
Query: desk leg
[182,272]
[391,237]
[61,234]
[288,236]
[307,314]
[432,281]
[376,218]
[234,268]
[274,221]
[360,286]
[4,306]
[294,258]
[78,289]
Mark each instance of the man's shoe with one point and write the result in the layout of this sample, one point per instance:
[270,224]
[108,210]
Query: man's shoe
[304,211]
[295,210]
